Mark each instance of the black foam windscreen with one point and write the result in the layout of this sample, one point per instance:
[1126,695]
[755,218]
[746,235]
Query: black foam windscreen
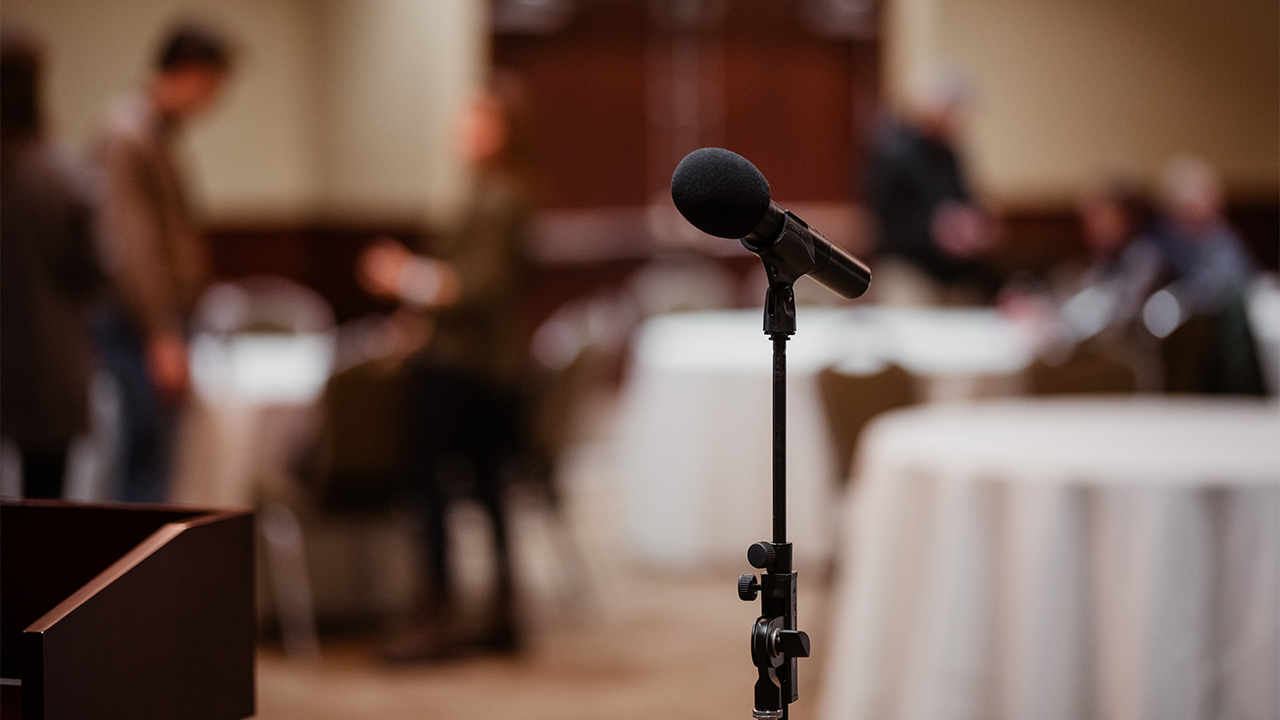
[720,192]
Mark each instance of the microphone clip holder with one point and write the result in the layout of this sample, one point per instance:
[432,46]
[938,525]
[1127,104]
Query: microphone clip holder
[784,263]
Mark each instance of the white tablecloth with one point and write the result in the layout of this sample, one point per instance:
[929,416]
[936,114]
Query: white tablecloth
[254,402]
[1264,320]
[695,422]
[1112,559]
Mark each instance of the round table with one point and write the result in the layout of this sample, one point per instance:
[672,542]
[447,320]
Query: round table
[694,425]
[256,397]
[1115,559]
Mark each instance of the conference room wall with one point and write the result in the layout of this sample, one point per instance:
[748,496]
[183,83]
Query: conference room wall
[338,123]
[1066,88]
[341,110]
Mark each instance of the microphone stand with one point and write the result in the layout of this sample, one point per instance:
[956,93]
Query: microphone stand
[776,642]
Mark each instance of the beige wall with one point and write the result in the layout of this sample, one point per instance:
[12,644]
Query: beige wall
[339,109]
[345,108]
[1065,89]
[396,74]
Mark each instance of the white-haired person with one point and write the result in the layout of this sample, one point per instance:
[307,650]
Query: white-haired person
[1206,301]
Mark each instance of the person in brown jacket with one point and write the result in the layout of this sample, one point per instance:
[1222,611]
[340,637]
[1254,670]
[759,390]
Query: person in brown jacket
[153,250]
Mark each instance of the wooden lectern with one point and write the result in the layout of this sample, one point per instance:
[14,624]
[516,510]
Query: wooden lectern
[126,611]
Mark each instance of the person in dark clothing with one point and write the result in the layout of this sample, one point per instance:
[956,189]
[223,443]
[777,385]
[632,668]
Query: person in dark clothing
[1211,262]
[920,199]
[49,276]
[464,418]
[1125,265]
[1202,316]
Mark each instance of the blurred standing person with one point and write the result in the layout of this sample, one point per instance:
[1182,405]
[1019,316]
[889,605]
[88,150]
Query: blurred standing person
[464,410]
[153,249]
[930,230]
[49,274]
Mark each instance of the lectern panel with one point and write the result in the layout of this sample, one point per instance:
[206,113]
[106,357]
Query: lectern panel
[166,630]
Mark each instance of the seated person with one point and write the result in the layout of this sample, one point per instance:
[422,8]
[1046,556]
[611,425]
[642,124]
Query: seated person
[1093,313]
[1124,267]
[1211,263]
[1201,316]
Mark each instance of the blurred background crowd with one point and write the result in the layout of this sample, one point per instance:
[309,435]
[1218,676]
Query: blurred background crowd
[389,270]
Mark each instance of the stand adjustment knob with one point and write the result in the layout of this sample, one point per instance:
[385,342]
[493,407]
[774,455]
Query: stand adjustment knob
[748,587]
[761,555]
[791,643]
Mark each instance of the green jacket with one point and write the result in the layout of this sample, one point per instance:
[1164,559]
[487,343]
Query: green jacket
[480,333]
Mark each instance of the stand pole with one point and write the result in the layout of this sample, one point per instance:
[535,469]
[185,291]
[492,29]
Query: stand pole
[776,643]
[779,437]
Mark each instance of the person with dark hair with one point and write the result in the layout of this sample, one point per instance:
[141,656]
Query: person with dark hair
[464,421]
[153,248]
[1124,263]
[1088,324]
[192,45]
[49,276]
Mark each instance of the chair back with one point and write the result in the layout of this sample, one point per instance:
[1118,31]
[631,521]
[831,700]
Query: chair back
[851,401]
[1086,371]
[262,304]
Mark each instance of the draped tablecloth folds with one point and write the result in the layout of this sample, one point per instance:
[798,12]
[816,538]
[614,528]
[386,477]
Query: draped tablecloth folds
[1112,559]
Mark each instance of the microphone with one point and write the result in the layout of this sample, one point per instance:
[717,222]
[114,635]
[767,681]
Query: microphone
[721,193]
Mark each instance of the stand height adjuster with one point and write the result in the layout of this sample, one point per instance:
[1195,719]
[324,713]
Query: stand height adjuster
[775,641]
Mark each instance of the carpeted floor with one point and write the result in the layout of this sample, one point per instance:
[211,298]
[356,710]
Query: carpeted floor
[628,642]
[672,649]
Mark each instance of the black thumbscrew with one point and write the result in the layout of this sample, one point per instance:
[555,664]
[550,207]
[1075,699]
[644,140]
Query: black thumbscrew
[761,555]
[748,587]
[792,643]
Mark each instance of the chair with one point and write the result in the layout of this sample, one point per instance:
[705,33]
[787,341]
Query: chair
[1213,353]
[1264,321]
[261,304]
[360,462]
[851,401]
[1086,371]
[680,284]
[294,324]
[345,481]
[573,352]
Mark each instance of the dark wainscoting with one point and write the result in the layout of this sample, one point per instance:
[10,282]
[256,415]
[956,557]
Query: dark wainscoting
[322,256]
[609,116]
[1258,222]
[1035,239]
